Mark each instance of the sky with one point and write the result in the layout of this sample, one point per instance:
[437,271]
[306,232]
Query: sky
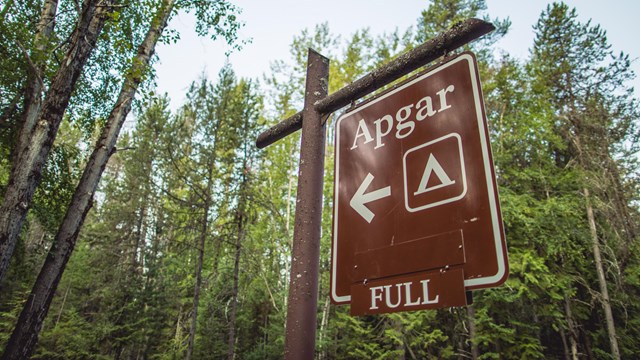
[272,25]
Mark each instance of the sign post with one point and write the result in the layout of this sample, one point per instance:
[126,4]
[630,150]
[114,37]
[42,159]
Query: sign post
[302,305]
[300,336]
[416,213]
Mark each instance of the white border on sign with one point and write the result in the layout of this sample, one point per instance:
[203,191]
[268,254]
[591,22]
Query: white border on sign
[493,207]
[443,201]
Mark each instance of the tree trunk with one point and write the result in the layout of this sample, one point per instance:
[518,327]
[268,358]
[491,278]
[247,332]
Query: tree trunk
[64,300]
[471,317]
[196,290]
[34,87]
[29,160]
[234,291]
[401,346]
[588,345]
[606,301]
[199,263]
[25,335]
[565,347]
[573,333]
[584,160]
[323,328]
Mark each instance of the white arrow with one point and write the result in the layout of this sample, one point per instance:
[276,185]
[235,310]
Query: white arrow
[360,198]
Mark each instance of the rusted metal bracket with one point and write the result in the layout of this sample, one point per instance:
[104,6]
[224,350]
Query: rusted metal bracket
[460,34]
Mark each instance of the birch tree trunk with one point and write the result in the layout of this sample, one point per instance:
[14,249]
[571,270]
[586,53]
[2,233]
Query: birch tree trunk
[25,335]
[34,88]
[30,157]
[323,328]
[602,281]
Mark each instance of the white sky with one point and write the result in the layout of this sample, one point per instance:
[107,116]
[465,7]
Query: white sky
[272,25]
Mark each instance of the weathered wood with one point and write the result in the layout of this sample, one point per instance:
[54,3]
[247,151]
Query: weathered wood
[34,88]
[460,34]
[302,302]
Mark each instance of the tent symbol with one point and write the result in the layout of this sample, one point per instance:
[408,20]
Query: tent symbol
[433,166]
[443,178]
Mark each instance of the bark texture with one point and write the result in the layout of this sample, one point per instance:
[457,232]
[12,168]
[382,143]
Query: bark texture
[602,281]
[34,88]
[30,157]
[25,335]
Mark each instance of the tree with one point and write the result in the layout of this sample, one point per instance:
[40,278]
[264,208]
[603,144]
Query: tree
[207,134]
[442,14]
[25,335]
[584,81]
[186,249]
[30,156]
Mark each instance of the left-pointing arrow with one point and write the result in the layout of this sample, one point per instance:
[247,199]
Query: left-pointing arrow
[359,199]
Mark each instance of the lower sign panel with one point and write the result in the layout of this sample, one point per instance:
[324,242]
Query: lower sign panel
[429,290]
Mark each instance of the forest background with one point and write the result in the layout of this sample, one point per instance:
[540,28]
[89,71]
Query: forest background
[185,241]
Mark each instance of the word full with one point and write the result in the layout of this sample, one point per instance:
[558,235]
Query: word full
[401,295]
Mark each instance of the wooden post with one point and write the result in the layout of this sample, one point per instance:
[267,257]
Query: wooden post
[302,306]
[300,338]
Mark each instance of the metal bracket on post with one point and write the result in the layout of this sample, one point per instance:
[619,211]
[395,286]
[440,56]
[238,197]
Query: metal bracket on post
[303,285]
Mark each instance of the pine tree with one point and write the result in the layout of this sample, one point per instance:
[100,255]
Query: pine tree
[583,81]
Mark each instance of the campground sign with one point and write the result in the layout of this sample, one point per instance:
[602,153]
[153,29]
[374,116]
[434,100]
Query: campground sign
[416,213]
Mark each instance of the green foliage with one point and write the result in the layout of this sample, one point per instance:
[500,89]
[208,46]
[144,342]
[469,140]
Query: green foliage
[71,338]
[442,14]
[194,174]
[10,313]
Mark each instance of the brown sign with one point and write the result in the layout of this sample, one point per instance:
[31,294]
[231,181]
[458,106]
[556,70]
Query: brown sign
[415,191]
